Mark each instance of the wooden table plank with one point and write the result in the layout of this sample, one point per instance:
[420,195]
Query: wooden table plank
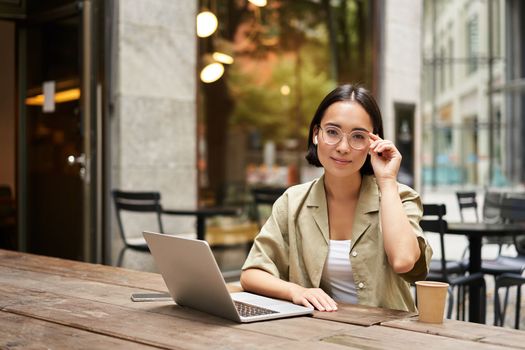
[74,287]
[297,328]
[66,296]
[118,295]
[514,340]
[145,281]
[362,315]
[464,330]
[20,332]
[132,325]
[87,271]
[380,337]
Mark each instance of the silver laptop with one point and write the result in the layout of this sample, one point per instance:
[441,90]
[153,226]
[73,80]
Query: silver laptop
[194,279]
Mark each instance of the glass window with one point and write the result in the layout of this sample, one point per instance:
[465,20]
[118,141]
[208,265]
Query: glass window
[472,44]
[462,144]
[450,62]
[287,55]
[496,28]
[442,70]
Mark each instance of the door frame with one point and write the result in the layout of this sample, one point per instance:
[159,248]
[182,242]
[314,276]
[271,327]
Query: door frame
[93,242]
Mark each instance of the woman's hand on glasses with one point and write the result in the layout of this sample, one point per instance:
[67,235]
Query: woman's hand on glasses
[385,159]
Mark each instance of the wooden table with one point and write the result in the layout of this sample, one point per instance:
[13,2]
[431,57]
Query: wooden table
[55,303]
[475,231]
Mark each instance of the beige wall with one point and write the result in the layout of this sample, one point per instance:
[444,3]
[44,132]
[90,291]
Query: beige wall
[7,104]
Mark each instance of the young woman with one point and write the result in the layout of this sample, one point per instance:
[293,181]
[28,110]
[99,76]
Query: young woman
[352,235]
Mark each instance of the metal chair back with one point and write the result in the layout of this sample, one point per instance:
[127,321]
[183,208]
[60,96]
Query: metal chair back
[265,197]
[507,280]
[492,207]
[513,210]
[138,202]
[467,200]
[452,272]
[433,221]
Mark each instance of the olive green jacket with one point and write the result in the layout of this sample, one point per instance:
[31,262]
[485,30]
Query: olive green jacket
[293,244]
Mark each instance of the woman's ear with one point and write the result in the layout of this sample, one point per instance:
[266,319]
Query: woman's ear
[315,133]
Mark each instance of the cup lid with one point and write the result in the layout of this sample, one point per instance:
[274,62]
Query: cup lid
[432,284]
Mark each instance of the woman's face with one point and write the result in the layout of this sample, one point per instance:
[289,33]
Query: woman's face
[341,159]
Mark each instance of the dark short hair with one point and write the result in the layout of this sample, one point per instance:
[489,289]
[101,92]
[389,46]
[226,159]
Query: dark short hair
[346,93]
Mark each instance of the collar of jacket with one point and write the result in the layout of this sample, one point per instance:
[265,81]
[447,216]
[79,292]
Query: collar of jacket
[368,202]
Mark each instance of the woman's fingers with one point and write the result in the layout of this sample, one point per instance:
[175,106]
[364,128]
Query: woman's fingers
[331,303]
[315,297]
[386,158]
[316,303]
[381,146]
[375,140]
[384,146]
[306,303]
[373,136]
[320,300]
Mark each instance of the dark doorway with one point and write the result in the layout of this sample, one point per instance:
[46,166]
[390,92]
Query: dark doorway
[404,114]
[7,136]
[54,138]
[56,181]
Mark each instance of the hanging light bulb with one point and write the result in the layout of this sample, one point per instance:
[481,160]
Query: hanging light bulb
[212,70]
[206,24]
[223,51]
[259,3]
[285,90]
[222,57]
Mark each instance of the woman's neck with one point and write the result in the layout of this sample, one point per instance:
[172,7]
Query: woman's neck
[342,187]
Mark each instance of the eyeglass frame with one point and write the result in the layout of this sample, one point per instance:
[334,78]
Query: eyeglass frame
[343,134]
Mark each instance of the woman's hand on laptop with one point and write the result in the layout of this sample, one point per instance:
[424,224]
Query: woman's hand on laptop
[312,297]
[263,283]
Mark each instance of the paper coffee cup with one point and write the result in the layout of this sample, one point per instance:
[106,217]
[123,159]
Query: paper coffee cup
[431,297]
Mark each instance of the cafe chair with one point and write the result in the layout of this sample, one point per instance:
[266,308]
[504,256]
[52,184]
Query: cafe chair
[263,199]
[512,210]
[452,272]
[507,280]
[492,214]
[492,206]
[136,202]
[467,201]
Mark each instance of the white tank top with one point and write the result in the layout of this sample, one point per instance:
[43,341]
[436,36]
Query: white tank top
[337,272]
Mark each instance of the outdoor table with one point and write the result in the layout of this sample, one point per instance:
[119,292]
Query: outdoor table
[475,231]
[202,214]
[56,303]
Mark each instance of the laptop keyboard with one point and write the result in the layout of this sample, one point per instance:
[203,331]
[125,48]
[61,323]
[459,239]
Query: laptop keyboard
[247,310]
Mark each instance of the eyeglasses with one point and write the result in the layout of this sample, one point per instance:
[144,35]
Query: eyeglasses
[357,139]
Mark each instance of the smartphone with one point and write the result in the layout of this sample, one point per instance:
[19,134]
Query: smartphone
[150,297]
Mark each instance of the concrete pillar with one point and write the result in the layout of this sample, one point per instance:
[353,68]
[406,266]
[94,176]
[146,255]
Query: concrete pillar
[153,127]
[401,67]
